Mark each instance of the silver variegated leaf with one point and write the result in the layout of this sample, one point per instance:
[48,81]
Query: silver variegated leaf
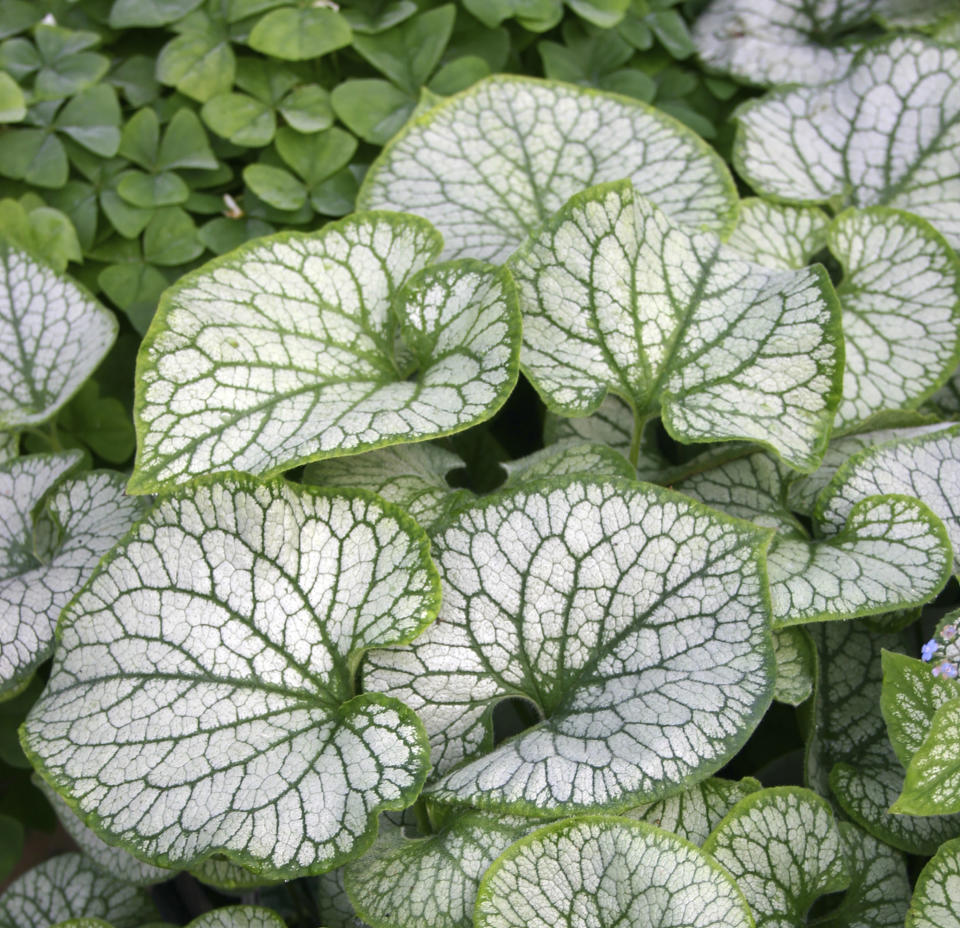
[932,783]
[935,902]
[616,297]
[884,134]
[778,235]
[489,165]
[784,849]
[238,916]
[607,871]
[307,346]
[632,618]
[71,886]
[796,665]
[411,882]
[202,699]
[564,459]
[53,334]
[695,812]
[85,517]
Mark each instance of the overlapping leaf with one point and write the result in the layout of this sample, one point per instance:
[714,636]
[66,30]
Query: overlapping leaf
[781,236]
[633,619]
[935,903]
[784,849]
[796,665]
[70,886]
[488,166]
[301,347]
[47,561]
[617,297]
[885,134]
[52,336]
[202,698]
[932,784]
[607,871]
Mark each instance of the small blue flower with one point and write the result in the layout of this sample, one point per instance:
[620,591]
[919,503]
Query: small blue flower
[929,649]
[945,669]
[949,632]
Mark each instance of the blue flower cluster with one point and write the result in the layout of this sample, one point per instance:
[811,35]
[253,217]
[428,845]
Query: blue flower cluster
[944,650]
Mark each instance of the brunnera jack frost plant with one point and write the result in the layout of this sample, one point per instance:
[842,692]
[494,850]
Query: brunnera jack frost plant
[271,678]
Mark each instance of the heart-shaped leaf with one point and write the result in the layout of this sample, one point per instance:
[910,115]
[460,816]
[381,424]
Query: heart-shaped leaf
[649,669]
[90,513]
[283,352]
[300,34]
[615,296]
[885,134]
[607,871]
[488,166]
[784,849]
[202,697]
[935,903]
[71,886]
[53,334]
[932,784]
[781,236]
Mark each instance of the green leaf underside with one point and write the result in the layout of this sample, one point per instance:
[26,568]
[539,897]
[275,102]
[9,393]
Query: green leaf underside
[935,902]
[901,309]
[200,701]
[910,697]
[114,861]
[412,476]
[71,886]
[879,890]
[926,467]
[409,883]
[779,41]
[287,350]
[607,871]
[487,166]
[52,336]
[564,459]
[932,784]
[816,144]
[92,513]
[778,236]
[783,848]
[796,665]
[695,812]
[617,297]
[632,618]
[849,752]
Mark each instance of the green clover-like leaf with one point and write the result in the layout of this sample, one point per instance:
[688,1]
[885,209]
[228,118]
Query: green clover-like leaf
[53,334]
[489,165]
[300,347]
[40,574]
[649,668]
[607,871]
[885,134]
[616,296]
[71,886]
[784,849]
[935,903]
[202,697]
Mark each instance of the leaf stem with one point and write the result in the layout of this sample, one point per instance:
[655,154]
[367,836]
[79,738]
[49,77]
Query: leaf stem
[639,421]
[424,825]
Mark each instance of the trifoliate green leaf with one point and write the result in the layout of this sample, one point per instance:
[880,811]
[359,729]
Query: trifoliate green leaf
[301,347]
[199,62]
[125,14]
[412,476]
[879,891]
[53,334]
[935,903]
[408,883]
[885,134]
[796,665]
[489,165]
[202,697]
[150,191]
[901,311]
[92,119]
[240,119]
[299,34]
[607,871]
[926,467]
[373,109]
[114,861]
[71,886]
[648,668]
[615,296]
[90,515]
[779,236]
[695,812]
[848,751]
[784,849]
[780,41]
[67,67]
[910,697]
[12,105]
[307,108]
